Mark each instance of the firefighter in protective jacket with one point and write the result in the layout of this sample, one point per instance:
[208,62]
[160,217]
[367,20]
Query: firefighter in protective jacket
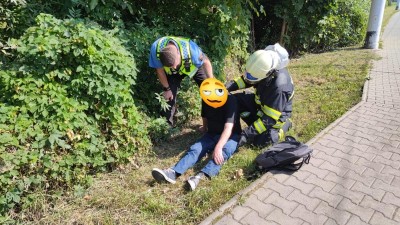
[267,112]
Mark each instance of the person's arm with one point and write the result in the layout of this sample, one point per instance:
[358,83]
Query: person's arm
[162,77]
[217,154]
[203,128]
[207,66]
[236,84]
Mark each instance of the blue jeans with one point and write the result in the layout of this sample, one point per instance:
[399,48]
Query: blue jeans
[203,146]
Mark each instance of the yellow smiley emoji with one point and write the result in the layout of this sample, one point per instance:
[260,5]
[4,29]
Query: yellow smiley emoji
[213,92]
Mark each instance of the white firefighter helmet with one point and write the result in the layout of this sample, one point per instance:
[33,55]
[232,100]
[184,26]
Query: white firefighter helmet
[260,65]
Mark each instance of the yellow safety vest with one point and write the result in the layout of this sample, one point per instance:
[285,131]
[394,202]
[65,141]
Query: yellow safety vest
[187,67]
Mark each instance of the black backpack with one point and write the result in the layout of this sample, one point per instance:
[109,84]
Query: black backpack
[287,155]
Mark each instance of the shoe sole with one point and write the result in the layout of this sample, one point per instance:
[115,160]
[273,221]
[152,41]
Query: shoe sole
[159,176]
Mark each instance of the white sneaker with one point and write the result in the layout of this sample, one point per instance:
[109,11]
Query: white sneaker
[193,181]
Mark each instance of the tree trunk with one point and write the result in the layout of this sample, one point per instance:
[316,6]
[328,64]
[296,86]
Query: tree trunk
[283,32]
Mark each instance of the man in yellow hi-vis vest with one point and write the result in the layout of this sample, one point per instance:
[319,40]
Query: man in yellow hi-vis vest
[175,58]
[267,112]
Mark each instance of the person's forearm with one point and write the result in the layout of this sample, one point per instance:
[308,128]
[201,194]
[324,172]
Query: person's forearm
[225,135]
[162,77]
[205,122]
[208,68]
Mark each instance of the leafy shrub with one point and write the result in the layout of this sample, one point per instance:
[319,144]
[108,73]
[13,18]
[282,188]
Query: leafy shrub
[317,25]
[66,109]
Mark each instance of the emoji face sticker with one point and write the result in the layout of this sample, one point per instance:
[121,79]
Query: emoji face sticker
[213,92]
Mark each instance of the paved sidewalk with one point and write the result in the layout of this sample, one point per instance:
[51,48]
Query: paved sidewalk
[354,175]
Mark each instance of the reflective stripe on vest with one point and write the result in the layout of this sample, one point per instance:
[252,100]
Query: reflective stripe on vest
[259,125]
[187,67]
[240,83]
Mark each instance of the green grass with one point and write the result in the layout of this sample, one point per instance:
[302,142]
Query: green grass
[327,85]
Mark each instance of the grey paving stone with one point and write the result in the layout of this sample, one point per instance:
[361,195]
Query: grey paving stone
[331,199]
[386,209]
[304,214]
[355,220]
[261,208]
[397,216]
[283,204]
[390,170]
[347,183]
[316,170]
[390,198]
[365,214]
[387,178]
[363,179]
[239,212]
[339,216]
[379,219]
[354,196]
[371,165]
[378,184]
[374,193]
[339,171]
[262,193]
[324,184]
[253,218]
[283,190]
[383,161]
[305,188]
[279,217]
[227,220]
[309,202]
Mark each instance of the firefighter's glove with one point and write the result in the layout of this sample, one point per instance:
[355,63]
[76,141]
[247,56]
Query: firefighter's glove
[231,86]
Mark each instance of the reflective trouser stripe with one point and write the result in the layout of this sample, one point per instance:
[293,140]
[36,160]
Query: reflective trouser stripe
[257,100]
[274,114]
[278,125]
[259,125]
[240,83]
[281,135]
[291,96]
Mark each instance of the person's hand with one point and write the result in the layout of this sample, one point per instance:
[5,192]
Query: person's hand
[168,95]
[217,155]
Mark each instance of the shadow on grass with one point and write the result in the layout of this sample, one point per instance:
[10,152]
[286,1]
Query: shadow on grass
[179,141]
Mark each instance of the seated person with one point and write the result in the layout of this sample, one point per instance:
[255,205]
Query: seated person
[221,127]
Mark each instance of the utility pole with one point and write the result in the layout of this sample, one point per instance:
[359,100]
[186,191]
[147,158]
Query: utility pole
[374,24]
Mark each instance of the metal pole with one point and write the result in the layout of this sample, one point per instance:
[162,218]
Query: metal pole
[374,24]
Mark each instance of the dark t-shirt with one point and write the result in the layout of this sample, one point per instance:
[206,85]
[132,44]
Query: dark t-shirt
[217,117]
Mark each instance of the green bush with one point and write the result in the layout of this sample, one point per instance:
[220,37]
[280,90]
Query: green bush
[344,25]
[66,109]
[312,26]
